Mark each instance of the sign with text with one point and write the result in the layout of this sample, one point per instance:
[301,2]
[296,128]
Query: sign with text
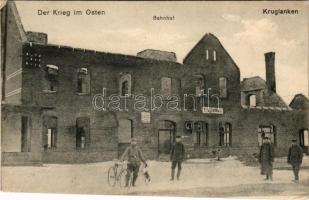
[212,110]
[145,117]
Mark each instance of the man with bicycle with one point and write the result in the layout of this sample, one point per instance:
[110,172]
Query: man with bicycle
[135,156]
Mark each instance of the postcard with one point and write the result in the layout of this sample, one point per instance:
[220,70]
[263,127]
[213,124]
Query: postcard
[164,98]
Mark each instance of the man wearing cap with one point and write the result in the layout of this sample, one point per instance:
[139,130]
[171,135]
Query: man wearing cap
[177,156]
[266,158]
[295,158]
[134,154]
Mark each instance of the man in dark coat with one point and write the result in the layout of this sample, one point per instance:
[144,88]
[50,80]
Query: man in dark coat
[135,156]
[266,158]
[295,158]
[177,156]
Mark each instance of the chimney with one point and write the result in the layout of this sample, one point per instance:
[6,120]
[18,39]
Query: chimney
[270,70]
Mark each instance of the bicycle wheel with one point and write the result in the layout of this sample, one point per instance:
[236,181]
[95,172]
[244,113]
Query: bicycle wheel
[111,176]
[122,179]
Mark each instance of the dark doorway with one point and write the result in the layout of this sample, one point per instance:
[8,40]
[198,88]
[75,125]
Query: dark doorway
[166,136]
[80,138]
[24,133]
[304,140]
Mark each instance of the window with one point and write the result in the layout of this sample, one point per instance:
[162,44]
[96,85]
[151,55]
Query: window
[225,134]
[24,133]
[267,131]
[166,86]
[207,54]
[83,81]
[223,87]
[51,138]
[252,100]
[124,88]
[125,131]
[50,132]
[214,55]
[51,78]
[199,88]
[303,138]
[125,84]
[189,127]
[201,130]
[228,134]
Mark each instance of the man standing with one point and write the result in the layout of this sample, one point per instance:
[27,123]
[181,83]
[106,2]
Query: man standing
[177,156]
[295,158]
[266,158]
[134,154]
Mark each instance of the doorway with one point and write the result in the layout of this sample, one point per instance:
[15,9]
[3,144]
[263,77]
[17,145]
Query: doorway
[304,140]
[166,136]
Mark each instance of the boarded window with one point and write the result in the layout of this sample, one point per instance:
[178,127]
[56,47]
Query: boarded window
[267,131]
[166,86]
[223,87]
[83,81]
[125,130]
[125,84]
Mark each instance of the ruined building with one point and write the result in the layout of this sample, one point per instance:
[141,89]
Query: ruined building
[55,101]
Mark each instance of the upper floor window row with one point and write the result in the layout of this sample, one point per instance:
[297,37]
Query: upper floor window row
[50,81]
[214,55]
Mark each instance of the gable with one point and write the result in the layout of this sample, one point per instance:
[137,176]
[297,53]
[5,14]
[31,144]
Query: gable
[210,52]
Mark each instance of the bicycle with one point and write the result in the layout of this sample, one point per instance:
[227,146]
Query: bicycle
[117,174]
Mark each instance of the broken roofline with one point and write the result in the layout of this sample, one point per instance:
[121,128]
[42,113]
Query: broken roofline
[77,49]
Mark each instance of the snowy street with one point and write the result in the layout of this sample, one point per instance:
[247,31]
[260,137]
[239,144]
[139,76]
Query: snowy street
[202,177]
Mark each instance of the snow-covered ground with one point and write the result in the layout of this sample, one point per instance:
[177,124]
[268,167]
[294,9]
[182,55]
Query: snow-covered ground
[198,177]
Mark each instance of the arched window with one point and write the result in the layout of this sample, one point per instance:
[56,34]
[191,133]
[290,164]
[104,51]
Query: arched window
[223,87]
[214,55]
[125,130]
[252,100]
[125,84]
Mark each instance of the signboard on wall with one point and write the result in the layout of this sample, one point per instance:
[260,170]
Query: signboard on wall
[145,117]
[212,110]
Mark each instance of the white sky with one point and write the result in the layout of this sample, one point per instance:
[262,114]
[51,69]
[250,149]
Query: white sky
[241,27]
